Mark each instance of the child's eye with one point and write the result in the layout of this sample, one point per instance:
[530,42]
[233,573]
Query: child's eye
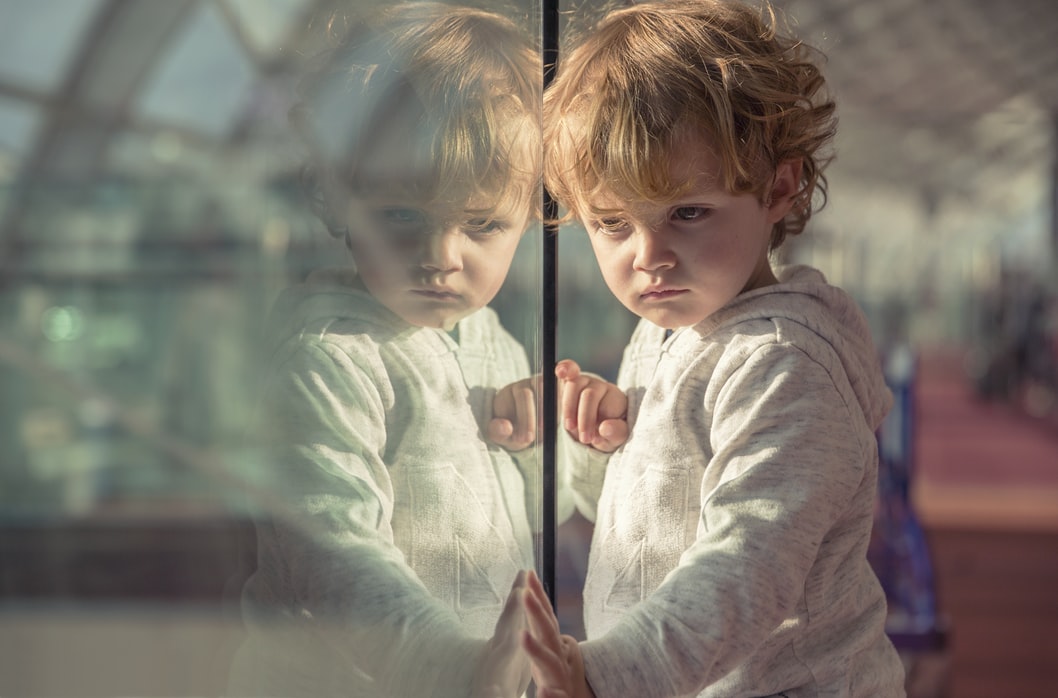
[402,217]
[483,226]
[612,226]
[402,225]
[690,213]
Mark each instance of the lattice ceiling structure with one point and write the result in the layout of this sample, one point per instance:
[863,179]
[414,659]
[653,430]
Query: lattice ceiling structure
[947,86]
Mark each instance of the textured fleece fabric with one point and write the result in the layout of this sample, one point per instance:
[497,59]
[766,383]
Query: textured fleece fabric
[395,530]
[729,554]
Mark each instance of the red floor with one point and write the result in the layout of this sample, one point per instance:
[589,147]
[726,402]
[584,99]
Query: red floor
[986,489]
[980,463]
[964,440]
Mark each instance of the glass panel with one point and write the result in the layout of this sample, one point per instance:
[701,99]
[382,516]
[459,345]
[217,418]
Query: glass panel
[248,382]
[126,50]
[19,122]
[203,80]
[267,23]
[38,39]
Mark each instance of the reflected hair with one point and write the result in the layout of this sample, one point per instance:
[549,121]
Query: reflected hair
[461,87]
[647,76]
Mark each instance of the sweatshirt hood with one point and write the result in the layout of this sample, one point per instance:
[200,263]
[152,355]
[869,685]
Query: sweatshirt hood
[327,297]
[804,296]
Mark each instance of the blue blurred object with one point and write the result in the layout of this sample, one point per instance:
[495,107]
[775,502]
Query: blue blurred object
[899,551]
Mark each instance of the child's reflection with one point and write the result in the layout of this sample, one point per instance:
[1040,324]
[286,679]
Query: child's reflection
[391,572]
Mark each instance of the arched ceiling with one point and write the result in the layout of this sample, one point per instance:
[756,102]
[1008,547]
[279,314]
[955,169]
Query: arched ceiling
[943,93]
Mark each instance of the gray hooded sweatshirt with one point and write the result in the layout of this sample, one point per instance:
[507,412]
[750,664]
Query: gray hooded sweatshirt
[729,554]
[395,530]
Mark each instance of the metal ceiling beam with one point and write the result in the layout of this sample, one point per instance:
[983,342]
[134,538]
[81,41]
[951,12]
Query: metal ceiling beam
[90,108]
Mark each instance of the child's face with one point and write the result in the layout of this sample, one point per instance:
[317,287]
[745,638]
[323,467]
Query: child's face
[429,266]
[677,263]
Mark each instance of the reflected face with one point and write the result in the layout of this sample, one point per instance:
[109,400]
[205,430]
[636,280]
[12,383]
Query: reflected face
[677,263]
[430,266]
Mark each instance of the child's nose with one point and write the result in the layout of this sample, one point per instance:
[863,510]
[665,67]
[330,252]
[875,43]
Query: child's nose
[443,251]
[653,252]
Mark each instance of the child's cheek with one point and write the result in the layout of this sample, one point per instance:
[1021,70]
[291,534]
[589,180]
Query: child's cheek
[373,260]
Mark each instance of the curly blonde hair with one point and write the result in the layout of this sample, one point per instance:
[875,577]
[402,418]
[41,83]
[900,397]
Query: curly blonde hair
[463,87]
[649,74]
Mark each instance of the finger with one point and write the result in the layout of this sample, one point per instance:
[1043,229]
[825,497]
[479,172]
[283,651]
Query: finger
[614,403]
[492,691]
[525,408]
[569,375]
[535,587]
[502,404]
[567,370]
[549,667]
[500,430]
[537,383]
[551,693]
[569,399]
[512,618]
[542,621]
[588,412]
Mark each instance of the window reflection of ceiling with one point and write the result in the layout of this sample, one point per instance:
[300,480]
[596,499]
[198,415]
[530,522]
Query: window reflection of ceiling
[18,120]
[38,39]
[203,79]
[267,24]
[117,95]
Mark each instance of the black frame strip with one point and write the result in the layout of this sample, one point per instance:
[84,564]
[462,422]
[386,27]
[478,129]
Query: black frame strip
[549,312]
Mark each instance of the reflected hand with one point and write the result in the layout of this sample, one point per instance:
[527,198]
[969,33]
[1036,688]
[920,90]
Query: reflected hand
[557,665]
[503,671]
[594,411]
[514,424]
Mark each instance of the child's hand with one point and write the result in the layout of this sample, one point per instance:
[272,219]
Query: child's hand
[557,665]
[513,424]
[503,671]
[593,411]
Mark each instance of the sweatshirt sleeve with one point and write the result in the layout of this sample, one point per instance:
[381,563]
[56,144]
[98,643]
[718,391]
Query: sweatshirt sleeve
[783,459]
[329,557]
[581,470]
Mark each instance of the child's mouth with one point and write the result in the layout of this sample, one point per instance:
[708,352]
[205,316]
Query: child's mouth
[436,295]
[662,294]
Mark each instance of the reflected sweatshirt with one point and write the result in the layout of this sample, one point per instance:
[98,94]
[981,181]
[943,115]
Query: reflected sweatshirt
[729,554]
[395,530]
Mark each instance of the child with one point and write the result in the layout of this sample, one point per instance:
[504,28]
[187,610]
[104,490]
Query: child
[731,528]
[391,566]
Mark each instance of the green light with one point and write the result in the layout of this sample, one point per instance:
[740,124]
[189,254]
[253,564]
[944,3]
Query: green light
[62,323]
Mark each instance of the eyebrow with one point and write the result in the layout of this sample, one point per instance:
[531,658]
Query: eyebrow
[393,190]
[598,211]
[505,206]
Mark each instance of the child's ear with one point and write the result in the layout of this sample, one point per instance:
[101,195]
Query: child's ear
[331,206]
[784,189]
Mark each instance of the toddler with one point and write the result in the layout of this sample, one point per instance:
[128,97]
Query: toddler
[731,527]
[392,567]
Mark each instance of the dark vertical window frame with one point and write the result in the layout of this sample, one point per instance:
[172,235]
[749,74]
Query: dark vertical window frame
[549,416]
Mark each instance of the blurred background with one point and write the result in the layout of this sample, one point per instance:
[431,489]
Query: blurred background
[150,210]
